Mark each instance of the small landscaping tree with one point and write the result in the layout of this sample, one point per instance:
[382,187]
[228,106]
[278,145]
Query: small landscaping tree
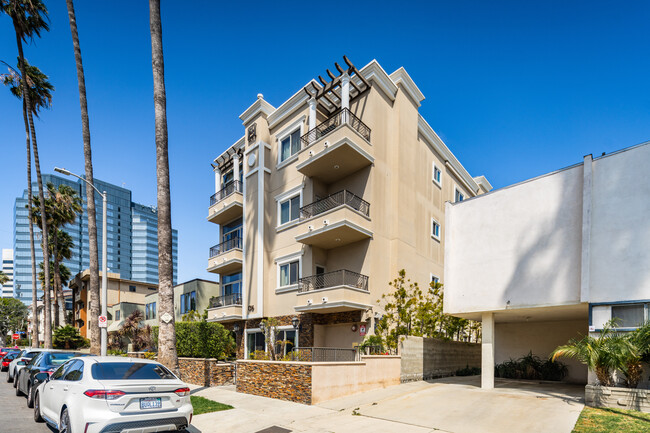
[68,337]
[13,316]
[136,331]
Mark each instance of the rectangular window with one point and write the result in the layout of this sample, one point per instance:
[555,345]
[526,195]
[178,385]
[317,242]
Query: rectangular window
[231,284]
[628,316]
[289,273]
[435,229]
[290,209]
[131,288]
[255,341]
[285,341]
[290,145]
[150,311]
[435,279]
[458,196]
[117,315]
[188,302]
[437,175]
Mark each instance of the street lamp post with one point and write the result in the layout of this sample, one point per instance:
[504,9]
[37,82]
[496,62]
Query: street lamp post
[103,330]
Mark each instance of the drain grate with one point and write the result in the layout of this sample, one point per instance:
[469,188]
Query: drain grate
[274,429]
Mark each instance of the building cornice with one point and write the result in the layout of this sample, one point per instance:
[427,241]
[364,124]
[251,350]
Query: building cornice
[296,102]
[258,107]
[483,182]
[402,77]
[374,72]
[427,132]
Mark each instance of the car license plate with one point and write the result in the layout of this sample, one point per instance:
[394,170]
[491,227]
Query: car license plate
[150,403]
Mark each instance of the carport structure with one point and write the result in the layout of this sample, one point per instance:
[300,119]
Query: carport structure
[552,258]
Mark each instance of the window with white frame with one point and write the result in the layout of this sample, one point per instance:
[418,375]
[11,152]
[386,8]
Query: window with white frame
[435,229]
[285,340]
[289,270]
[458,195]
[289,145]
[435,279]
[437,175]
[290,209]
[255,341]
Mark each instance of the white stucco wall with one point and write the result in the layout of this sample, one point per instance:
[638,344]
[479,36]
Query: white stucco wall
[520,244]
[515,340]
[620,231]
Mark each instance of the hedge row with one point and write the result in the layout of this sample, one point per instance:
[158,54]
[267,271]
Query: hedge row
[202,340]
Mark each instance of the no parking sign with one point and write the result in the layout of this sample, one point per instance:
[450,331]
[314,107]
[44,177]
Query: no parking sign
[362,330]
[102,321]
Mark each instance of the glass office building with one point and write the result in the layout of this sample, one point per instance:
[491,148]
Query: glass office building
[132,245]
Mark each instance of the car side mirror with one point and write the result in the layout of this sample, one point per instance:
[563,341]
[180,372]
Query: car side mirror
[21,363]
[41,377]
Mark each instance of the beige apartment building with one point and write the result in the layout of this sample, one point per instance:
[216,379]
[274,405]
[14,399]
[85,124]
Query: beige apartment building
[119,291]
[323,200]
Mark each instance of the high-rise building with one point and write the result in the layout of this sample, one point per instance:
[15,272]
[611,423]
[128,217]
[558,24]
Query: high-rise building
[131,237]
[8,270]
[323,201]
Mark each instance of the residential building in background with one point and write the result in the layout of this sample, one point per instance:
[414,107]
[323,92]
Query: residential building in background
[323,201]
[132,237]
[553,258]
[197,295]
[120,290]
[8,270]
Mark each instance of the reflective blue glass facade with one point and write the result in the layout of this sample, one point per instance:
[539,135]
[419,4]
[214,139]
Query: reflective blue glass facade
[131,237]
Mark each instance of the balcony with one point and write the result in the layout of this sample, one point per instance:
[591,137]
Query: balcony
[336,148]
[226,204]
[337,220]
[331,292]
[226,257]
[225,308]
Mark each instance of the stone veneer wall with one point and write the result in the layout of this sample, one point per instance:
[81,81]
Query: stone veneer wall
[206,372]
[427,358]
[618,398]
[281,380]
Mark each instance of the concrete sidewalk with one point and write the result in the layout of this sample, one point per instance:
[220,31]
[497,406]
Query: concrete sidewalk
[453,405]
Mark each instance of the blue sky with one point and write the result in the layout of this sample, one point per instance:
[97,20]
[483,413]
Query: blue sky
[515,89]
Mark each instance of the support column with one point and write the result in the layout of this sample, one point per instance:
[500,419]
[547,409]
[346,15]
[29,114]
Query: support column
[312,113]
[487,351]
[217,179]
[345,91]
[235,161]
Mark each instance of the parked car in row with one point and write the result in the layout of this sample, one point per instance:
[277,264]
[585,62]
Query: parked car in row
[25,355]
[45,362]
[6,350]
[111,394]
[7,359]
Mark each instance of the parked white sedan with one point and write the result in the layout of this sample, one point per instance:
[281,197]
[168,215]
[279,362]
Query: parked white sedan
[112,394]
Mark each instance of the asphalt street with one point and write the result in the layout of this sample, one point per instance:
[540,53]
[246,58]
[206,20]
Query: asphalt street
[15,416]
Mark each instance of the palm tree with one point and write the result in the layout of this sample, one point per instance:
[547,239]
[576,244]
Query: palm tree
[93,290]
[3,278]
[29,19]
[40,95]
[600,354]
[61,246]
[167,333]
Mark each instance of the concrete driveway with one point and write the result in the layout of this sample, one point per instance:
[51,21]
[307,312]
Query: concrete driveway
[454,405]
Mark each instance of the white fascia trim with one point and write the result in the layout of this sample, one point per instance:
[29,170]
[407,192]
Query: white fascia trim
[289,257]
[336,225]
[259,106]
[482,180]
[400,76]
[292,104]
[331,148]
[341,286]
[239,144]
[439,146]
[289,193]
[373,71]
[337,304]
[254,146]
[224,318]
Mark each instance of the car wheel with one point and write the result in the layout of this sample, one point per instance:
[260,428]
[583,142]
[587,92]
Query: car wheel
[15,379]
[9,379]
[18,391]
[30,397]
[37,408]
[64,424]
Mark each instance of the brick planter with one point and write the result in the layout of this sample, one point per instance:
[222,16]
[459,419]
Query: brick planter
[618,398]
[206,372]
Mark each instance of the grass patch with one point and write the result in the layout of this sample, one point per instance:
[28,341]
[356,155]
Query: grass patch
[606,420]
[204,405]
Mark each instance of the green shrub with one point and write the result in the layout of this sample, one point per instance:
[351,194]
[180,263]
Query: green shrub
[531,367]
[260,355]
[116,352]
[468,371]
[372,345]
[68,337]
[201,340]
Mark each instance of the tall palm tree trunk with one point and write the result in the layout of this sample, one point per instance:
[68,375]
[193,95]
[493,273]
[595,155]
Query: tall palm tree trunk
[30,205]
[56,279]
[167,354]
[93,290]
[47,338]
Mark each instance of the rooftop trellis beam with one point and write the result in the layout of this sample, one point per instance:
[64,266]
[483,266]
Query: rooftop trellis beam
[328,91]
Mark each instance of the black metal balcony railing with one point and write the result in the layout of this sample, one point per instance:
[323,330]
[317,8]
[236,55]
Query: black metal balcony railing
[335,200]
[225,246]
[342,277]
[338,119]
[225,300]
[231,187]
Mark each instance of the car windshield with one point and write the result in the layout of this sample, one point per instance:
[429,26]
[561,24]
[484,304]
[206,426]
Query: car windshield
[130,371]
[58,358]
[30,355]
